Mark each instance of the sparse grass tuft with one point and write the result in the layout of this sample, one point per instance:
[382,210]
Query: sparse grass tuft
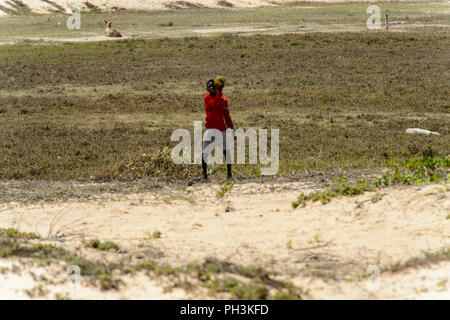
[101,246]
[376,197]
[427,258]
[38,291]
[62,296]
[252,290]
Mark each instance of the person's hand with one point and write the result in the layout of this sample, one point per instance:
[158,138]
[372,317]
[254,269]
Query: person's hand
[234,135]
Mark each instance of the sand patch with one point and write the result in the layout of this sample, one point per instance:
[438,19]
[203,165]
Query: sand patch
[40,6]
[255,224]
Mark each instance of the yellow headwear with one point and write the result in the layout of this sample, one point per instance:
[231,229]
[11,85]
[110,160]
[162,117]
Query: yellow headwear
[219,82]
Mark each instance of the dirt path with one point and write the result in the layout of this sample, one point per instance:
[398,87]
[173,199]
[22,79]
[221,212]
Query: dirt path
[322,248]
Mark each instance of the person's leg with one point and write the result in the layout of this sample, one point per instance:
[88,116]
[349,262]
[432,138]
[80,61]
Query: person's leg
[205,153]
[229,175]
[204,160]
[204,167]
[227,154]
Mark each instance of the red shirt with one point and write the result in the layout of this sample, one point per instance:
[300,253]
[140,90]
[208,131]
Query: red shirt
[217,111]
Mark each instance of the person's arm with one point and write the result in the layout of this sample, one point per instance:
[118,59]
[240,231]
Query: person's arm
[227,116]
[205,102]
[207,109]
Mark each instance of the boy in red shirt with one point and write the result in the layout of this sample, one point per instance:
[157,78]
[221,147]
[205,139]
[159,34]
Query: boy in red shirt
[217,110]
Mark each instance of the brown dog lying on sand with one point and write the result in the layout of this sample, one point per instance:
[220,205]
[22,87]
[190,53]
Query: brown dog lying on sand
[110,32]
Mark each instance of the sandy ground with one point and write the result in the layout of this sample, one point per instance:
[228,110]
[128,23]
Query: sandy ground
[40,6]
[254,224]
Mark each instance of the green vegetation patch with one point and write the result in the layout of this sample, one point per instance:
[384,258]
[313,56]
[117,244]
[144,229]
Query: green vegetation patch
[12,233]
[411,172]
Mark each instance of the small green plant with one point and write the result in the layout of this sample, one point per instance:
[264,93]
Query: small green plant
[156,235]
[376,197]
[288,294]
[317,238]
[442,284]
[448,216]
[340,179]
[108,282]
[146,265]
[165,270]
[289,244]
[60,296]
[37,291]
[225,189]
[4,270]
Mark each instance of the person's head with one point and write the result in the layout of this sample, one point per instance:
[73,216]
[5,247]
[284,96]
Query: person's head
[211,87]
[220,83]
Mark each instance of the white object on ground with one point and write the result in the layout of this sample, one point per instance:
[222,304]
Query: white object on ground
[420,131]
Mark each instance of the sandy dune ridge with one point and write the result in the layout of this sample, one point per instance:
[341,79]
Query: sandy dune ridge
[40,6]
